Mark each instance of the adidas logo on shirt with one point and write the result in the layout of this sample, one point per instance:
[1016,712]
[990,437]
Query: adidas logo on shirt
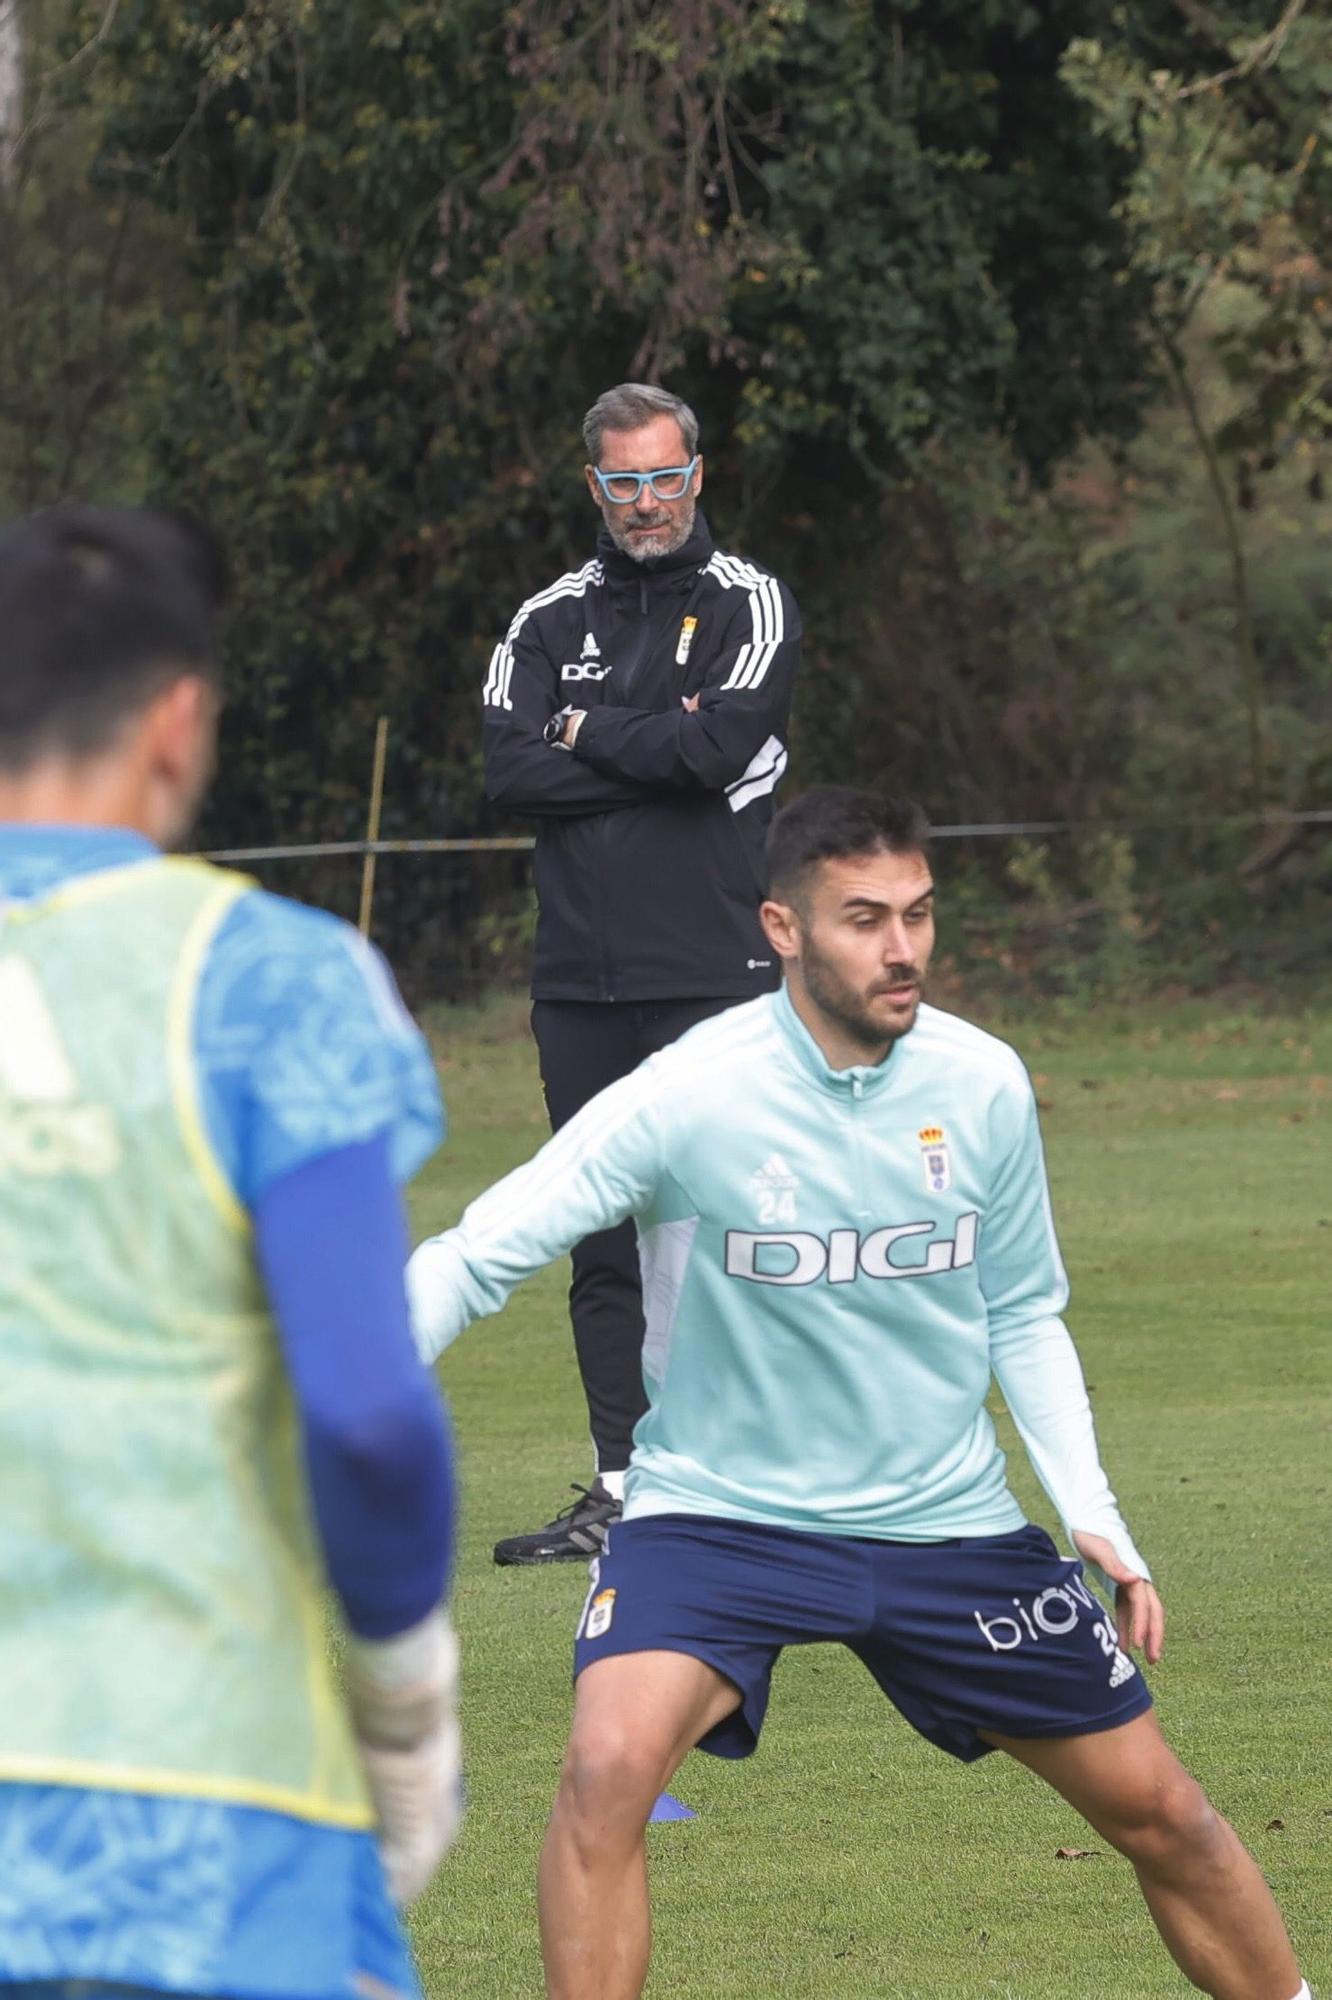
[588,666]
[774,1188]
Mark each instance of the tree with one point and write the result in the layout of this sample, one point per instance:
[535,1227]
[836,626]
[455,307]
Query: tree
[83,270]
[1232,188]
[419,238]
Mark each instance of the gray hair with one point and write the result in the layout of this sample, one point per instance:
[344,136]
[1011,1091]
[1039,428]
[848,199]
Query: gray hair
[631,405]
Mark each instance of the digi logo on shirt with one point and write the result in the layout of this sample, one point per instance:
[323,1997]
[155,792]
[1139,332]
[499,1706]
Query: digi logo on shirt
[767,1257]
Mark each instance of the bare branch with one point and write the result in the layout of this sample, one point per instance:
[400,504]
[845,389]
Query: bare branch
[41,114]
[1261,54]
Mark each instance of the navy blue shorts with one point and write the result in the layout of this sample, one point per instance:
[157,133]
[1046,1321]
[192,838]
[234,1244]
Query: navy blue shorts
[992,1632]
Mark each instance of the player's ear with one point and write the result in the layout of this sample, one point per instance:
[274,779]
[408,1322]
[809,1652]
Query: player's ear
[781,927]
[185,714]
[180,735]
[592,486]
[697,486]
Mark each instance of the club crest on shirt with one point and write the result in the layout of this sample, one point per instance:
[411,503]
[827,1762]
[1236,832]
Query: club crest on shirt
[774,1187]
[687,631]
[934,1156]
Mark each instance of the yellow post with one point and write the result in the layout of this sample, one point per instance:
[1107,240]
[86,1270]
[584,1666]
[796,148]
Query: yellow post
[372,824]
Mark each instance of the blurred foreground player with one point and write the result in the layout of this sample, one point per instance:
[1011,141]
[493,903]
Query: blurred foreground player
[207,1097]
[845,1230]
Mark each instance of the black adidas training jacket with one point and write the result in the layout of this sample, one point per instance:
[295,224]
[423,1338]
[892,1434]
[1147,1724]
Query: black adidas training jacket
[649,855]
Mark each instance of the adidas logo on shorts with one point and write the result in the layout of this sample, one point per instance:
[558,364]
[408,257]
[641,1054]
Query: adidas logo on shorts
[1122,1670]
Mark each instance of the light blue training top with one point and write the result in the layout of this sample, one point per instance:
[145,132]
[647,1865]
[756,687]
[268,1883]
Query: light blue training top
[303,1048]
[835,1262]
[302,1043]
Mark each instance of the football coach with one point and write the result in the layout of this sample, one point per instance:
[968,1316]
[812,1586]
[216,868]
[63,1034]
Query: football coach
[637,708]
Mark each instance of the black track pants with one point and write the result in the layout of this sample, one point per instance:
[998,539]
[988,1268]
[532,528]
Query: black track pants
[583,1046]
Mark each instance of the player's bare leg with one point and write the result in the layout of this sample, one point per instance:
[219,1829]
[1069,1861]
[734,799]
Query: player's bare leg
[636,1717]
[1210,1902]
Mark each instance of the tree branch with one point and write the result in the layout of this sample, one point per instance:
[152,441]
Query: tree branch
[1261,55]
[14,148]
[1248,651]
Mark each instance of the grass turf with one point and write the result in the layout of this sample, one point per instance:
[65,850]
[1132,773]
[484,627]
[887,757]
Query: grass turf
[1191,1158]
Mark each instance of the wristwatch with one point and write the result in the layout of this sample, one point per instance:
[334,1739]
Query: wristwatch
[554,731]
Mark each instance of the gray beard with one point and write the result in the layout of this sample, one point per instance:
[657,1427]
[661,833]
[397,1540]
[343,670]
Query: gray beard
[684,528]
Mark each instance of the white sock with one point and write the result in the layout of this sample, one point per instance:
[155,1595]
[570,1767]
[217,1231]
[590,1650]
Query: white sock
[1304,1993]
[614,1485]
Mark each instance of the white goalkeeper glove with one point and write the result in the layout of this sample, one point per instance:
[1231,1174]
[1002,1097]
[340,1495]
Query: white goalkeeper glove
[404,1703]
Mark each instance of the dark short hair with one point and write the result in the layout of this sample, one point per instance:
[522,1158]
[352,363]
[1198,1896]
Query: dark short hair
[100,609]
[837,823]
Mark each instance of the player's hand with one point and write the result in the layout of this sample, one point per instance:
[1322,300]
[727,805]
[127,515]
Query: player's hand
[689,703]
[1139,1612]
[572,725]
[404,1703]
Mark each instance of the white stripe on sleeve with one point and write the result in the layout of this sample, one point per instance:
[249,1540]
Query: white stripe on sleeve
[762,775]
[499,674]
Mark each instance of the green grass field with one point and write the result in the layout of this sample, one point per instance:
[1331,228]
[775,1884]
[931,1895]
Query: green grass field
[1191,1158]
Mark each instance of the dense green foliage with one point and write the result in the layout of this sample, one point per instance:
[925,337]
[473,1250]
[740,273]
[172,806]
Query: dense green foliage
[924,269]
[848,1858]
[425,236]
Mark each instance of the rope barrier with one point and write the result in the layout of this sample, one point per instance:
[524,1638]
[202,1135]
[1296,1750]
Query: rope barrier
[520,844]
[523,844]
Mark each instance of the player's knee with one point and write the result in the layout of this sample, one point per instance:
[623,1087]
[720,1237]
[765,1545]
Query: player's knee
[611,1775]
[1169,1824]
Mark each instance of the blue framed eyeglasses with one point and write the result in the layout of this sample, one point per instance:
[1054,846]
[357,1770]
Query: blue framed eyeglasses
[670,482]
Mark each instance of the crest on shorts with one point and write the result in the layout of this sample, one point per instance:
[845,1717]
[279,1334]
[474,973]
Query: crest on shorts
[934,1156]
[599,1614]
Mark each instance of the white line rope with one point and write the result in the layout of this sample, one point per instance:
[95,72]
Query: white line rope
[522,844]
